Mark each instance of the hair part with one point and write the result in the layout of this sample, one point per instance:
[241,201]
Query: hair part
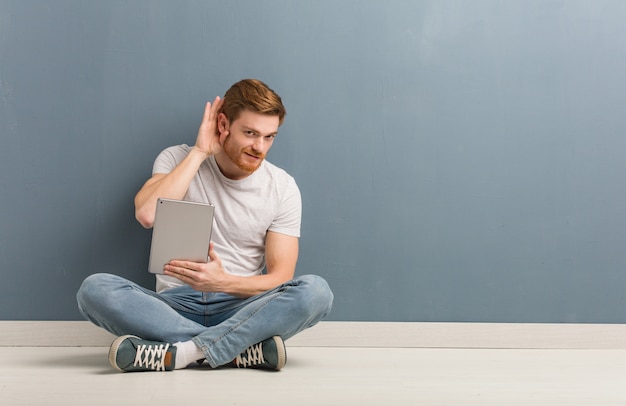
[252,95]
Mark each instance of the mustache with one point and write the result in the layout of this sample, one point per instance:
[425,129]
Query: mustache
[254,153]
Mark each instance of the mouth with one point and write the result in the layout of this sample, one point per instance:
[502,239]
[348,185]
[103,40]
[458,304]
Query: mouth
[254,156]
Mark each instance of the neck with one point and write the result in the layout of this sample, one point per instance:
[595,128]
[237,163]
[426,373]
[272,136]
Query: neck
[228,168]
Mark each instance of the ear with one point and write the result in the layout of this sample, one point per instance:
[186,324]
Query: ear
[222,123]
[223,126]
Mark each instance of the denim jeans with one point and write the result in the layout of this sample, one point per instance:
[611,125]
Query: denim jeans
[223,326]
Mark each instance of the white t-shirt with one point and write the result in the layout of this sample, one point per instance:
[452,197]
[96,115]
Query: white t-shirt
[245,210]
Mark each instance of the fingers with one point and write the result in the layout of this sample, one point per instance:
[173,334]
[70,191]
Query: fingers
[212,254]
[211,110]
[207,140]
[179,270]
[217,104]
[182,266]
[207,112]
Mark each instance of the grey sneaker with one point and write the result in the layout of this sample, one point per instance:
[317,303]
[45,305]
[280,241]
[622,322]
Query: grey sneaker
[268,354]
[132,354]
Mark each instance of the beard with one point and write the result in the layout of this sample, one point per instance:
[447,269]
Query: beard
[237,156]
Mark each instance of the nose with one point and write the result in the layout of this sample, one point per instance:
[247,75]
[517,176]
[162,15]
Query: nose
[260,145]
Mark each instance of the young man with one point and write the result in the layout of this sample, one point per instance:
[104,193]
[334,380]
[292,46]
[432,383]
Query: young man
[227,311]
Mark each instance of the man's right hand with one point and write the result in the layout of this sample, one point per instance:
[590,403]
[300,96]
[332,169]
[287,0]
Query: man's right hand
[208,140]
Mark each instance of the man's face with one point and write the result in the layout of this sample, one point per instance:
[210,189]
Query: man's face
[249,139]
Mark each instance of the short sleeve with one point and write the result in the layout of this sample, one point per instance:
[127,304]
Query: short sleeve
[169,158]
[289,216]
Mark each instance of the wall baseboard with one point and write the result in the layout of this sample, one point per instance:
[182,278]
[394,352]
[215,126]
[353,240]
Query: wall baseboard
[359,334]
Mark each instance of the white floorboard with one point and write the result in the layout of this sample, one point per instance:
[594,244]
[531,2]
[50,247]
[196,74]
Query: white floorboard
[360,334]
[326,376]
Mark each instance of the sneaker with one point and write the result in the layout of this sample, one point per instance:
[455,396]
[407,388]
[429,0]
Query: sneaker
[132,354]
[268,354]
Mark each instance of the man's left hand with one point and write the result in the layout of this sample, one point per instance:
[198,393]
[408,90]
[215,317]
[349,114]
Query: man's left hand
[204,277]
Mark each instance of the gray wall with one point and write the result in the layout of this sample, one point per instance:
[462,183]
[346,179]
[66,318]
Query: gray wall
[458,160]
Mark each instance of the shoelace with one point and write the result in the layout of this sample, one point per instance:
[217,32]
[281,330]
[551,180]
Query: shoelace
[151,356]
[251,357]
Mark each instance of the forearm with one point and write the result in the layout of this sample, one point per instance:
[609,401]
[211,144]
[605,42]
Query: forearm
[173,185]
[244,287]
[281,256]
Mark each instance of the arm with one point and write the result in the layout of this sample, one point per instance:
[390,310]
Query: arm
[281,255]
[174,185]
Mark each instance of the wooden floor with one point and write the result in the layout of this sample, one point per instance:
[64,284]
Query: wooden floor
[326,376]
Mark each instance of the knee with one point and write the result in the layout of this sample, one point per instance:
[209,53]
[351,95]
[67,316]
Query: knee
[317,295]
[95,289]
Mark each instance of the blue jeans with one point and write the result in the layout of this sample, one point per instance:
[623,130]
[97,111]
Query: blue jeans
[222,325]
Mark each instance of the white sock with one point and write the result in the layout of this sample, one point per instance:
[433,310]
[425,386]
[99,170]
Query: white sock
[187,353]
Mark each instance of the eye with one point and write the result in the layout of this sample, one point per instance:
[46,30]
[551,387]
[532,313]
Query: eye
[270,137]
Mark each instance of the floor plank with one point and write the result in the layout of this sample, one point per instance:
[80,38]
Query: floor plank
[328,376]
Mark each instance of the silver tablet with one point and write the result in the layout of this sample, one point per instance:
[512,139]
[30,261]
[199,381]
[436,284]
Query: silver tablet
[182,230]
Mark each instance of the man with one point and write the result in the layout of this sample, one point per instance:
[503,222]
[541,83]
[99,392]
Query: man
[227,311]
